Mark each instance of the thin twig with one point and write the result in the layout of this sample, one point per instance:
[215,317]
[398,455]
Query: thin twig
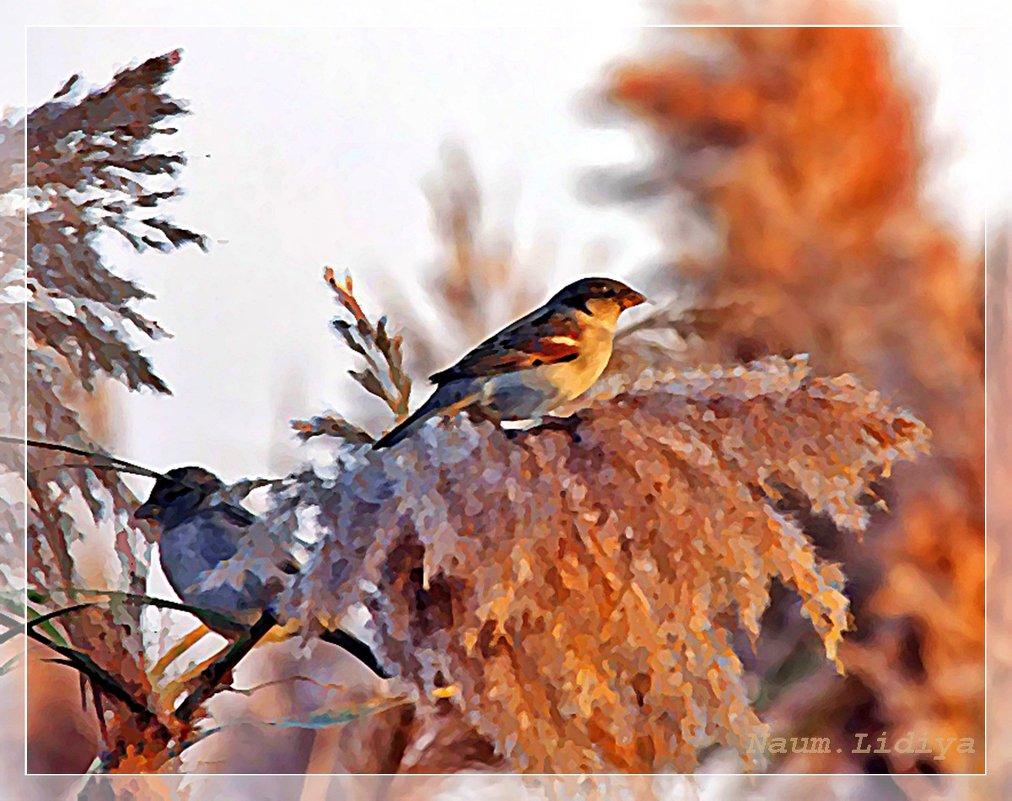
[121,464]
[14,627]
[217,618]
[248,691]
[389,382]
[338,637]
[356,648]
[217,670]
[330,426]
[703,320]
[96,699]
[38,621]
[54,536]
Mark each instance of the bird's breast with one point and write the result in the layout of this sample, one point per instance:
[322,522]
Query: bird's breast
[572,379]
[526,394]
[187,550]
[190,550]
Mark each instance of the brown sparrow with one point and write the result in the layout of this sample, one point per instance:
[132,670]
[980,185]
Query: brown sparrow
[552,355]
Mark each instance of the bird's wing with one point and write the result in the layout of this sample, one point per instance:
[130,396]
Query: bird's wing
[235,514]
[233,544]
[545,336]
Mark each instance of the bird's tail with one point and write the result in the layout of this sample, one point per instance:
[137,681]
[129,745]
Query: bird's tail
[358,649]
[445,399]
[333,635]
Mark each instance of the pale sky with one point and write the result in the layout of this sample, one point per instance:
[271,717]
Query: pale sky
[308,146]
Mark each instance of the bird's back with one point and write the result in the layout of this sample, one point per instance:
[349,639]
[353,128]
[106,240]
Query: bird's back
[515,347]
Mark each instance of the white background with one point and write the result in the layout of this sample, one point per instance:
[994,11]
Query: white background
[308,146]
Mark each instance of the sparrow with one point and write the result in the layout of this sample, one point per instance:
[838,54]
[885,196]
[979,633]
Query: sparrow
[199,530]
[549,357]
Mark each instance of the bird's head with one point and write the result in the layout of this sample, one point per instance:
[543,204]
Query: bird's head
[597,296]
[178,494]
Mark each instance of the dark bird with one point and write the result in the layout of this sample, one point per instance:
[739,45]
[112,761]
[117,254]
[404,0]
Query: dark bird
[201,532]
[552,355]
[213,552]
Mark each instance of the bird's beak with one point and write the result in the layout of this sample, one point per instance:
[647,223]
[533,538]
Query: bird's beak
[632,298]
[147,511]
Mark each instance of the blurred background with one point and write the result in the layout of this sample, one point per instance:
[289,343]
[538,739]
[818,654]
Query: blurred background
[462,174]
[330,140]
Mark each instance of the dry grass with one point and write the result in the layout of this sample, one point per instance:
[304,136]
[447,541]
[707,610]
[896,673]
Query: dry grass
[581,596]
[803,149]
[576,587]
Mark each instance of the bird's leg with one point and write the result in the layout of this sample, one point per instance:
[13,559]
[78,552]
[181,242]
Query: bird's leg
[219,670]
[566,424]
[175,688]
[184,683]
[480,414]
[176,651]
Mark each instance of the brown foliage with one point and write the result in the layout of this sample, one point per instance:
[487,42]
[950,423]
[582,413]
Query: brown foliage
[569,598]
[478,271]
[575,586]
[383,375]
[999,757]
[92,169]
[803,148]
